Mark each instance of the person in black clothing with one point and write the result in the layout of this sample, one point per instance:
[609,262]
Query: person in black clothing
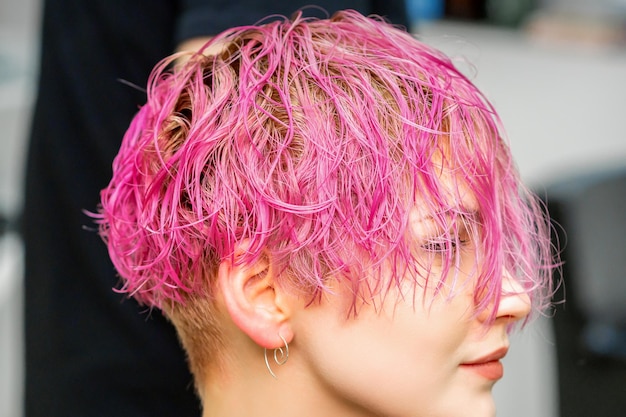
[90,352]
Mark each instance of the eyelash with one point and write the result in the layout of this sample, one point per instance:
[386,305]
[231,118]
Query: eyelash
[443,245]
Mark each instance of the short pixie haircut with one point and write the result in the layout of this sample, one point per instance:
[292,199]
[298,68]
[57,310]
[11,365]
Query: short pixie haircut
[310,141]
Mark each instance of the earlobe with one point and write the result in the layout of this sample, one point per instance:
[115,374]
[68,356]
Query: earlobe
[251,299]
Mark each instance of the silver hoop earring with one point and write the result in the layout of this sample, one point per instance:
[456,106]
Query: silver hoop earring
[281,355]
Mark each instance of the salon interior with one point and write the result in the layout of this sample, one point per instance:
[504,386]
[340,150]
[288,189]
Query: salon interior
[556,72]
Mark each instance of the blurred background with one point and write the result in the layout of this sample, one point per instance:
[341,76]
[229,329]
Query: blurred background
[19,26]
[554,70]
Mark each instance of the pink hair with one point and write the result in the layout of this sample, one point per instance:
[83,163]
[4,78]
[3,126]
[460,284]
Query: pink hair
[310,140]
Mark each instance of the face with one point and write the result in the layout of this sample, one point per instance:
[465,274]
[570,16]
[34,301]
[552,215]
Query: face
[409,352]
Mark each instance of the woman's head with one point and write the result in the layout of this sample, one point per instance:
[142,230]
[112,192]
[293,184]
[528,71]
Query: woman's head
[343,155]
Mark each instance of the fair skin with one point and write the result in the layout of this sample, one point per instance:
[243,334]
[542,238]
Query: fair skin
[406,354]
[194,45]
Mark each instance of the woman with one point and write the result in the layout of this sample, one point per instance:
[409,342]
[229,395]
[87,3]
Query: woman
[327,212]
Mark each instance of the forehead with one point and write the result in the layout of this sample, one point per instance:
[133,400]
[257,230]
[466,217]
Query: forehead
[451,192]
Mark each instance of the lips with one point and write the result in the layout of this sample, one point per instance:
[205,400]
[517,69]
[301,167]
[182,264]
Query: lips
[488,366]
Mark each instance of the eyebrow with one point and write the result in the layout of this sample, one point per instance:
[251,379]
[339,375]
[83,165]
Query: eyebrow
[472,214]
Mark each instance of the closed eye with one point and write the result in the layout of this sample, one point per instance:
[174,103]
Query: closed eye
[449,236]
[441,245]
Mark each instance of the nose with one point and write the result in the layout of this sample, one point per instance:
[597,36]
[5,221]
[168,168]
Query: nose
[515,302]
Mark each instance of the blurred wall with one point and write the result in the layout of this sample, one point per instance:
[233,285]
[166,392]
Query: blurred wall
[561,101]
[19,22]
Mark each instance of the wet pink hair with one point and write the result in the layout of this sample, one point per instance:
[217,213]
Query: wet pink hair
[309,141]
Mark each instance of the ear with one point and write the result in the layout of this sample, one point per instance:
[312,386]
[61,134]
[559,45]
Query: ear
[253,302]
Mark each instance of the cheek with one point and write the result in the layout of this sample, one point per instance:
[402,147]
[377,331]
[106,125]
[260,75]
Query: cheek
[396,360]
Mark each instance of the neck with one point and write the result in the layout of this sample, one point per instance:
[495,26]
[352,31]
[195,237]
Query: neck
[254,392]
[243,396]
